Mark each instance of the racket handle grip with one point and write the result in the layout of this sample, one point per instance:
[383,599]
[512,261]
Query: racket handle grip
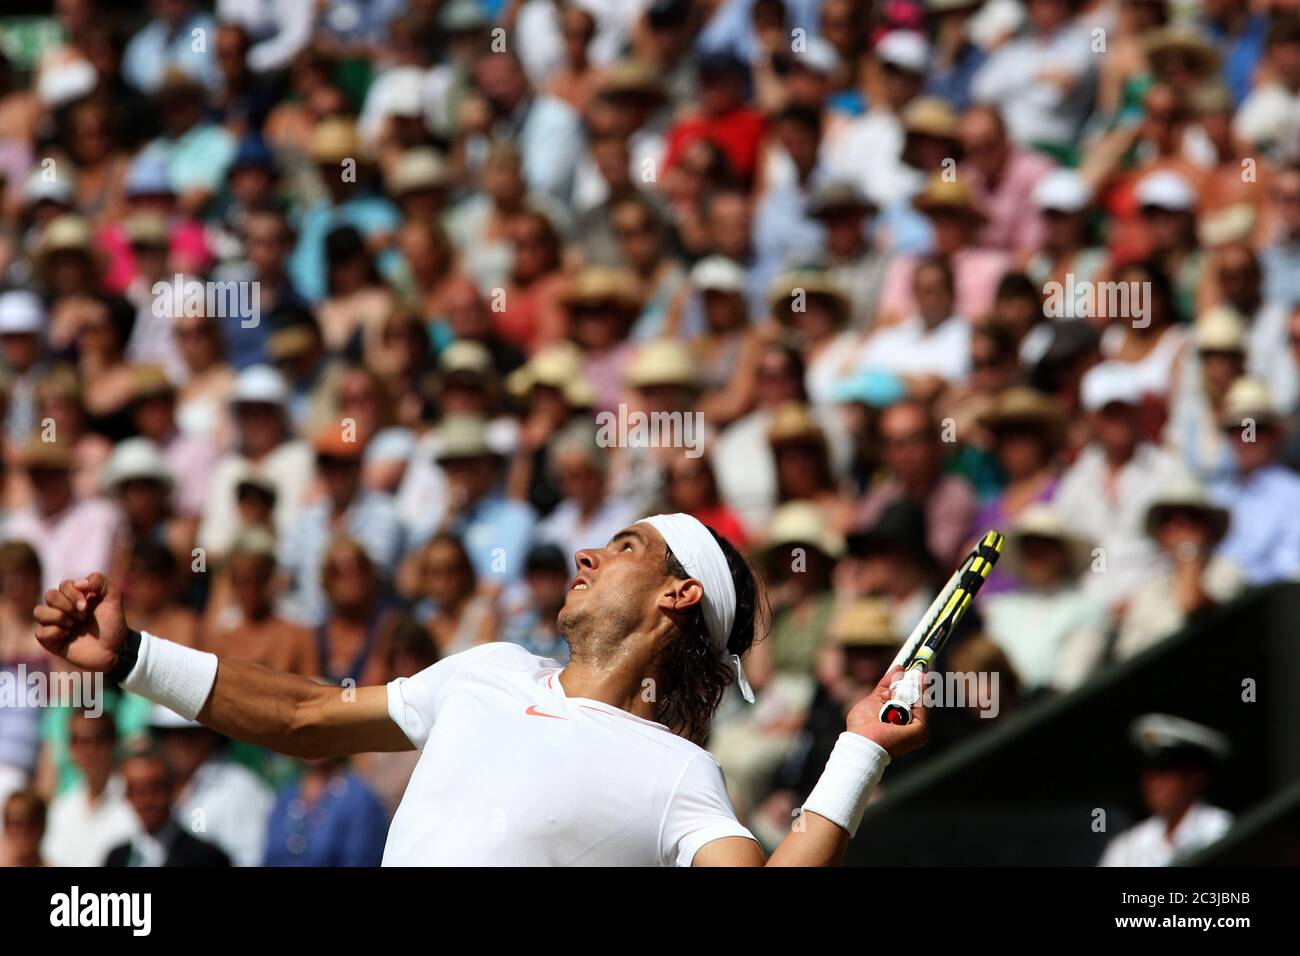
[896,713]
[904,692]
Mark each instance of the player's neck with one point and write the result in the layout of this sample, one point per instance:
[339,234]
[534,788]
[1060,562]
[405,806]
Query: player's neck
[614,682]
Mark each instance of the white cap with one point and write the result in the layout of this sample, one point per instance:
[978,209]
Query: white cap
[260,383]
[1108,383]
[1155,734]
[718,274]
[819,56]
[1166,190]
[133,459]
[906,50]
[21,313]
[40,188]
[1062,190]
[404,93]
[66,83]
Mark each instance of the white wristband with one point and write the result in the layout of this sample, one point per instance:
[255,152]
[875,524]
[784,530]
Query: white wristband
[845,786]
[172,674]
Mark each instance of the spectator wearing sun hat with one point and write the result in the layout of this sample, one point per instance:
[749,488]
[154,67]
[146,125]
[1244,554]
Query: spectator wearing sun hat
[1105,494]
[1206,373]
[495,529]
[1049,627]
[22,331]
[1264,496]
[335,141]
[1064,202]
[1192,576]
[369,517]
[1028,431]
[852,259]
[72,536]
[259,406]
[956,217]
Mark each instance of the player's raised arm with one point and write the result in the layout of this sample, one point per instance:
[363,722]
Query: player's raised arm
[833,810]
[82,623]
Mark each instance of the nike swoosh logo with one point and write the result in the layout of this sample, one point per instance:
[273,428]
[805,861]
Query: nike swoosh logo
[534,712]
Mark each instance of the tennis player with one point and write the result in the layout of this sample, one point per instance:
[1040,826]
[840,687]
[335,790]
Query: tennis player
[524,762]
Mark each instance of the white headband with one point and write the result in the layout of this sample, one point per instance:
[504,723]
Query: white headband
[698,552]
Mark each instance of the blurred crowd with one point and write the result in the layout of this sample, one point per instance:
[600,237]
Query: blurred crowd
[917,268]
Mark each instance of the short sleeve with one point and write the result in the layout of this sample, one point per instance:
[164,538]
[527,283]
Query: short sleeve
[698,812]
[413,701]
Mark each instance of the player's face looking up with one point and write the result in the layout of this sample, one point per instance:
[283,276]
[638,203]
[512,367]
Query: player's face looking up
[623,591]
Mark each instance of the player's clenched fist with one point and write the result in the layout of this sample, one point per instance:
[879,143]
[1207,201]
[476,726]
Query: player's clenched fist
[864,719]
[81,622]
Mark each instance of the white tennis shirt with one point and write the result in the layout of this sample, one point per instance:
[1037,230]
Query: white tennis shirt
[512,772]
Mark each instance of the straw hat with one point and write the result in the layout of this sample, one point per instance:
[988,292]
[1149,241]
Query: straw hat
[48,455]
[147,229]
[1232,224]
[1042,521]
[802,523]
[66,233]
[839,196]
[793,422]
[663,362]
[1249,398]
[557,366]
[1221,329]
[465,357]
[417,169]
[605,285]
[1186,39]
[863,623]
[254,542]
[811,283]
[1187,494]
[942,195]
[631,78]
[464,436]
[334,140]
[150,381]
[1026,407]
[292,341]
[930,116]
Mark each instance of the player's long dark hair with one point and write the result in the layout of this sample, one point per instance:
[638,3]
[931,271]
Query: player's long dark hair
[693,673]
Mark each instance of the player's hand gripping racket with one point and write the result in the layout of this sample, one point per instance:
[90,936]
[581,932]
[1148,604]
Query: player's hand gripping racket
[940,620]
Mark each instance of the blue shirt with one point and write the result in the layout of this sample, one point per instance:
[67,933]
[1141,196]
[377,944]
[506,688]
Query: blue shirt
[953,84]
[155,49]
[367,214]
[1241,53]
[347,827]
[1264,535]
[371,519]
[198,158]
[496,533]
[1281,265]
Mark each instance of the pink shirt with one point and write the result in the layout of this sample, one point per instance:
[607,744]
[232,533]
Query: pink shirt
[976,274]
[71,544]
[1014,223]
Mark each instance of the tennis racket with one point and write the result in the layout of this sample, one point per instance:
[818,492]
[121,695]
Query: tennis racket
[936,626]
